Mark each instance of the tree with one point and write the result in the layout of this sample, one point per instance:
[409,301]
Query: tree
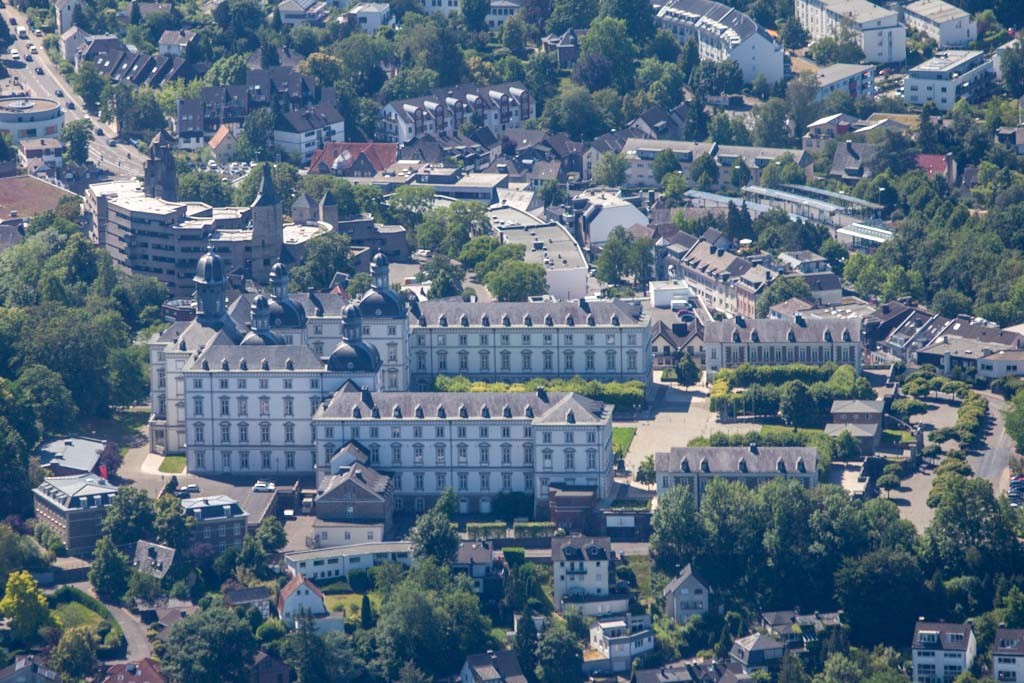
[129,516]
[566,14]
[44,392]
[144,587]
[615,260]
[171,525]
[796,406]
[559,655]
[110,570]
[739,175]
[74,657]
[204,186]
[434,536]
[366,613]
[770,128]
[829,50]
[1012,61]
[325,256]
[410,673]
[704,172]
[888,482]
[609,38]
[128,370]
[307,653]
[270,534]
[25,605]
[782,289]
[791,669]
[552,193]
[478,249]
[879,594]
[199,645]
[88,83]
[664,162]
[256,141]
[610,169]
[517,281]
[676,532]
[445,277]
[474,13]
[525,644]
[687,371]
[76,136]
[802,100]
[645,472]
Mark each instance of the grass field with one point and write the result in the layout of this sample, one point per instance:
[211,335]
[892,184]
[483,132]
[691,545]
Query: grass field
[72,614]
[173,464]
[351,603]
[621,438]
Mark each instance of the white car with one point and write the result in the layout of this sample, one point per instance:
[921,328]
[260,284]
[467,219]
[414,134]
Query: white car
[264,486]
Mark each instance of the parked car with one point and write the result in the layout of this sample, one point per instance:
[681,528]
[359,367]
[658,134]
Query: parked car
[71,105]
[39,71]
[264,486]
[189,488]
[98,131]
[38,33]
[28,58]
[58,92]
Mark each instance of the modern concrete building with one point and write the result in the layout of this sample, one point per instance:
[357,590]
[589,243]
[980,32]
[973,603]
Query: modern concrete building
[724,33]
[30,117]
[856,80]
[548,244]
[369,17]
[337,562]
[876,29]
[949,76]
[946,24]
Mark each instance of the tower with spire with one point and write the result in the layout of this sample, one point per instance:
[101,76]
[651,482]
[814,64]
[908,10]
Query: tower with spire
[267,228]
[160,177]
[211,290]
[385,317]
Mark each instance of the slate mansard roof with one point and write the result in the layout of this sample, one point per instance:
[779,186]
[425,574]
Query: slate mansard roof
[535,314]
[738,459]
[773,331]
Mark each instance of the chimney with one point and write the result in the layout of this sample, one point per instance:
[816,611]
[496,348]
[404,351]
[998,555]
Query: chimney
[753,451]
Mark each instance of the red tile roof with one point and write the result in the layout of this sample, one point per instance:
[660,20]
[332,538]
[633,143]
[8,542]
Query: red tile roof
[932,164]
[379,154]
[293,585]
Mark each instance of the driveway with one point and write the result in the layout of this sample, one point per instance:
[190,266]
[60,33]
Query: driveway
[139,646]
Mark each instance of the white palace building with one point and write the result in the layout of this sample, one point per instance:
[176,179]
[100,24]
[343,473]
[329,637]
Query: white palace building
[282,383]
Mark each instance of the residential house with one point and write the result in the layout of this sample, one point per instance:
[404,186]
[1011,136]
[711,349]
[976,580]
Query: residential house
[862,419]
[369,17]
[876,29]
[219,522]
[609,143]
[497,107]
[796,630]
[46,153]
[583,568]
[852,161]
[71,456]
[176,43]
[599,211]
[480,562]
[617,639]
[266,668]
[938,165]
[143,671]
[565,46]
[763,341]
[695,467]
[332,563]
[855,80]
[224,143]
[153,559]
[499,12]
[300,133]
[756,159]
[694,671]
[670,341]
[295,12]
[941,651]
[26,669]
[658,123]
[74,508]
[492,667]
[948,77]
[757,651]
[1012,137]
[1008,655]
[353,159]
[258,597]
[72,40]
[725,281]
[686,596]
[724,33]
[297,596]
[824,130]
[946,24]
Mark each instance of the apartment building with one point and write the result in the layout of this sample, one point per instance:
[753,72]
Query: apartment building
[942,651]
[1008,655]
[220,522]
[877,30]
[946,24]
[948,77]
[497,107]
[74,508]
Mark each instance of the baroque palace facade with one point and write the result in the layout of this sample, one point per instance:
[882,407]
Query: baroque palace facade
[281,383]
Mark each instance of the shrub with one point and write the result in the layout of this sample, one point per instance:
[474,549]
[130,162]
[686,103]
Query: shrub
[515,557]
[360,580]
[486,530]
[619,394]
[533,529]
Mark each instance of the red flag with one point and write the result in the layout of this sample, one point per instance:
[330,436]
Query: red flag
[103,471]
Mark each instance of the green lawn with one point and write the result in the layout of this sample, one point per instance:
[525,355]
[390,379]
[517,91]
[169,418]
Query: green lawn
[351,603]
[173,464]
[72,614]
[621,438]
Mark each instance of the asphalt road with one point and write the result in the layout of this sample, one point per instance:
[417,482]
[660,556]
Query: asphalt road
[139,646]
[120,160]
[993,463]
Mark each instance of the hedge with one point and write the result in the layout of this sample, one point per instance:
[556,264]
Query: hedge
[970,418]
[515,557]
[112,641]
[620,394]
[533,529]
[748,375]
[486,530]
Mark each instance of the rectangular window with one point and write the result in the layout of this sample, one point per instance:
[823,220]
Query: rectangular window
[506,481]
[197,406]
[463,481]
[417,479]
[289,406]
[289,460]
[485,481]
[243,406]
[243,433]
[264,406]
[265,459]
[243,459]
[225,433]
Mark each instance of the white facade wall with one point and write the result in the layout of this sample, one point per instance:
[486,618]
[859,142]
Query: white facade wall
[330,563]
[479,458]
[880,33]
[607,353]
[303,144]
[579,578]
[943,89]
[952,27]
[939,666]
[720,355]
[334,534]
[302,600]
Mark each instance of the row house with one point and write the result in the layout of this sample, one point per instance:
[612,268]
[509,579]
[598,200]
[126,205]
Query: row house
[496,107]
[726,281]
